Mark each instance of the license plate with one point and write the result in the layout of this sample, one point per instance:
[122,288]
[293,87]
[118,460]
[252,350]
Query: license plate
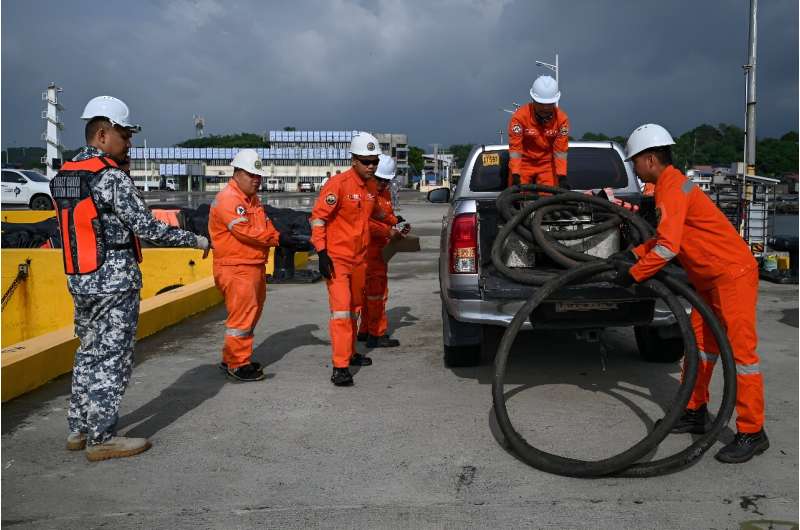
[563,307]
[490,159]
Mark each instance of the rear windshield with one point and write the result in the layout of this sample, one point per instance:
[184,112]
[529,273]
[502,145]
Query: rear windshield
[587,168]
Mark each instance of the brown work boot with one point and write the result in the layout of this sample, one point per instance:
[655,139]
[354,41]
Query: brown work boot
[117,447]
[76,441]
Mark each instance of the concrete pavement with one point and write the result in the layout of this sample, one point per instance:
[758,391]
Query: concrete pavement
[412,445]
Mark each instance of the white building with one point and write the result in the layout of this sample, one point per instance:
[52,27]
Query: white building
[292,157]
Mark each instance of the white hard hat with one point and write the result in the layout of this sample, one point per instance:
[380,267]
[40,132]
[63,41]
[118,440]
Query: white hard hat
[364,144]
[545,90]
[249,160]
[645,137]
[386,167]
[112,108]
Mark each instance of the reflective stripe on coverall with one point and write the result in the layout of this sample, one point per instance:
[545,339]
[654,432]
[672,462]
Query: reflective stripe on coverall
[241,236]
[537,152]
[722,269]
[340,225]
[376,292]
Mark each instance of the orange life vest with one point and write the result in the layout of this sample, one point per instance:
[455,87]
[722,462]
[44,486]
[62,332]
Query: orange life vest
[82,243]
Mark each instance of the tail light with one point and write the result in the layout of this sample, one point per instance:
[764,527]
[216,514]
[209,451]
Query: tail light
[464,244]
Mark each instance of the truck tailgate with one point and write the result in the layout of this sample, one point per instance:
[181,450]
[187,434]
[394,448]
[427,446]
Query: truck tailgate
[586,305]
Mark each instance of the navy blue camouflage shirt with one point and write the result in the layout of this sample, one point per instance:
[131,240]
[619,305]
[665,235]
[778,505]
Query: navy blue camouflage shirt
[114,190]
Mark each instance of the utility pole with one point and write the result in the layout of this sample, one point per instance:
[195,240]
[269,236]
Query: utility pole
[501,136]
[750,71]
[436,162]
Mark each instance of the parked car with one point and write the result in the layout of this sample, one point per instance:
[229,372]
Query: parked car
[31,188]
[306,187]
[478,302]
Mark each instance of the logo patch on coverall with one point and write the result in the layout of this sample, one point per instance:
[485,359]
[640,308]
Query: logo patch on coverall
[240,210]
[563,131]
[330,200]
[516,129]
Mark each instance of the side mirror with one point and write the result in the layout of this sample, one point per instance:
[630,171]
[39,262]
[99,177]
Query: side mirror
[439,195]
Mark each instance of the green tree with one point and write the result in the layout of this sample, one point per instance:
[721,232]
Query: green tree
[415,159]
[228,140]
[460,152]
[600,137]
[289,128]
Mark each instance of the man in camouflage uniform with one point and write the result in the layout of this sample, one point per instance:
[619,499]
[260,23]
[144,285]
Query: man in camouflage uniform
[107,300]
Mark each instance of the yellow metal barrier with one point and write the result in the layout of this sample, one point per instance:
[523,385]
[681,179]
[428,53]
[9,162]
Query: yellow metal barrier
[41,303]
[26,216]
[29,364]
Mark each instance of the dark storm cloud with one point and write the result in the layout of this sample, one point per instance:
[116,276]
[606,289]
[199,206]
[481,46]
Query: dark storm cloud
[439,71]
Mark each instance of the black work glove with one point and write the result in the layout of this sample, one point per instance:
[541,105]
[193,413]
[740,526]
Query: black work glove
[624,278]
[564,184]
[325,264]
[515,179]
[286,240]
[400,219]
[626,256]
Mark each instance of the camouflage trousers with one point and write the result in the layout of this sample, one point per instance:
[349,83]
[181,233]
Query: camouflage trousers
[106,327]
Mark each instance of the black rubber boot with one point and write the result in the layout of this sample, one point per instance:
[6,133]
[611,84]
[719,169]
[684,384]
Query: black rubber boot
[224,366]
[247,373]
[381,342]
[342,377]
[362,337]
[360,360]
[743,447]
[693,421]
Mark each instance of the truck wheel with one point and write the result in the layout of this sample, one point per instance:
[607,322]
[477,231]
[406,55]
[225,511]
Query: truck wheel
[655,348]
[462,356]
[41,202]
[461,341]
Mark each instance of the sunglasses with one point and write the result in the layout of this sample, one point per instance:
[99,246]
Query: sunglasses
[367,161]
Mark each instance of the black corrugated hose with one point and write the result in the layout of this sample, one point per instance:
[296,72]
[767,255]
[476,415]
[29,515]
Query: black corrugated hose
[583,268]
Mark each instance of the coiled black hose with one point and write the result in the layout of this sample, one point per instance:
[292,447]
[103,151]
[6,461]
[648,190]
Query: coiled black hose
[664,285]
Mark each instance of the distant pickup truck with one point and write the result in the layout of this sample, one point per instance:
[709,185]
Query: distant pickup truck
[164,183]
[478,302]
[274,185]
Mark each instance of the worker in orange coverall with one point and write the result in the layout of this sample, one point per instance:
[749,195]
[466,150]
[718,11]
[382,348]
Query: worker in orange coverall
[374,323]
[340,235]
[721,268]
[242,235]
[538,138]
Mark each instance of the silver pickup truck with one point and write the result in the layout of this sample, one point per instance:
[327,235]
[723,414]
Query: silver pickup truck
[478,302]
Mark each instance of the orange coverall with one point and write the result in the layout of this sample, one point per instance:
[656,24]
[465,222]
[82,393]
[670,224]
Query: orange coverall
[537,152]
[722,269]
[241,235]
[373,315]
[340,225]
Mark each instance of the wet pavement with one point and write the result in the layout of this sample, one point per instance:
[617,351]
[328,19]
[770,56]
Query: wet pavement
[413,444]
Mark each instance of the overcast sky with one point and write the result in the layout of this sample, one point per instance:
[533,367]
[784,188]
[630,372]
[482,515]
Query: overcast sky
[438,70]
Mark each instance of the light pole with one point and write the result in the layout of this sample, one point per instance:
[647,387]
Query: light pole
[553,67]
[750,71]
[509,111]
[146,172]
